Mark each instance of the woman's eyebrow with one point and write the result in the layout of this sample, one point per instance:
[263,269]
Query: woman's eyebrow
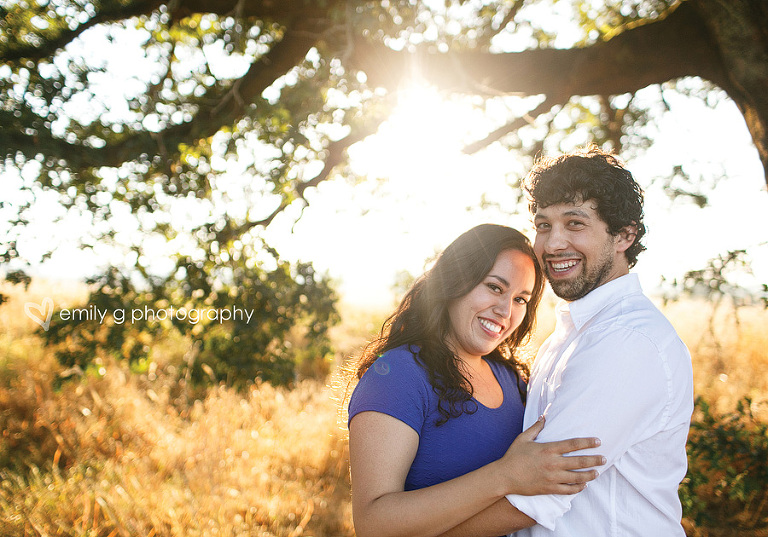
[502,280]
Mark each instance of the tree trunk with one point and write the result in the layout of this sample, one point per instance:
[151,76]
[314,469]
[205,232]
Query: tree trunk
[740,29]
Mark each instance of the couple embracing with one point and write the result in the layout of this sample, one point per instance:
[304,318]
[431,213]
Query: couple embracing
[450,434]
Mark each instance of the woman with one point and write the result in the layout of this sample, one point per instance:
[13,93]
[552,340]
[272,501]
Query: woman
[440,398]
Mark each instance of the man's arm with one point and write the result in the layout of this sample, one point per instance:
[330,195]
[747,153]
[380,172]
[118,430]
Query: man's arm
[498,519]
[613,386]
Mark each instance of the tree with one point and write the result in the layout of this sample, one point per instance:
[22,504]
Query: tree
[283,89]
[725,43]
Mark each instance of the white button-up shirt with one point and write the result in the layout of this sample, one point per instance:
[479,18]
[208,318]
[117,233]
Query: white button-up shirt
[614,368]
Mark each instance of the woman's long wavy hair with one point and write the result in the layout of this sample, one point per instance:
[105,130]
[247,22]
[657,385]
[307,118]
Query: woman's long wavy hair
[422,317]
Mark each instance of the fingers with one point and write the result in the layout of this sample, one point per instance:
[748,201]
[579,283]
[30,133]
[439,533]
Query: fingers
[573,444]
[569,488]
[580,477]
[582,461]
[533,431]
[569,483]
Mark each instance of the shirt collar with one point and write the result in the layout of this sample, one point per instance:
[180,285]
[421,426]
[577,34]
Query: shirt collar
[585,308]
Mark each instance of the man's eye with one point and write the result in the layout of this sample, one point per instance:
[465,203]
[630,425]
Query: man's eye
[542,226]
[575,223]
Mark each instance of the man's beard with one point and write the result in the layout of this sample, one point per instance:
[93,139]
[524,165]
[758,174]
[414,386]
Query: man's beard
[588,280]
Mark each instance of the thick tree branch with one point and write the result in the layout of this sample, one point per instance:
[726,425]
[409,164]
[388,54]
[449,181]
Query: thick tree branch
[223,110]
[723,42]
[285,11]
[676,46]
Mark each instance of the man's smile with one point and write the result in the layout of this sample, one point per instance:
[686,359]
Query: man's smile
[561,267]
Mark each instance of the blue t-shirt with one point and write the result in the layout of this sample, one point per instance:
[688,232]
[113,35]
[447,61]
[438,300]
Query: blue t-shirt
[398,386]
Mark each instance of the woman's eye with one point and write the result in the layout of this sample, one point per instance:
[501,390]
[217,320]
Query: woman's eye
[521,300]
[493,287]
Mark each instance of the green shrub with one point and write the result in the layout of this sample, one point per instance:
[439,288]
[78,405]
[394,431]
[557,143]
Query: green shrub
[265,310]
[727,468]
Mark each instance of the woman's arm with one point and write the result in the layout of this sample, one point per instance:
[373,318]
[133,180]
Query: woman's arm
[382,450]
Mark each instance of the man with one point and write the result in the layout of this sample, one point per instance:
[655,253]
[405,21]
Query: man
[614,368]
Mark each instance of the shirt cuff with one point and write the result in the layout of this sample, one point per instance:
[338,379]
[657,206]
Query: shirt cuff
[544,509]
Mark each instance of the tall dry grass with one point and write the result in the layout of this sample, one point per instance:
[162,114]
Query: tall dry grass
[729,349]
[119,455]
[114,453]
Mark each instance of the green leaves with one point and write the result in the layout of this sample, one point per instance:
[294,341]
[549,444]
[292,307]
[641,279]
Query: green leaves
[241,321]
[727,473]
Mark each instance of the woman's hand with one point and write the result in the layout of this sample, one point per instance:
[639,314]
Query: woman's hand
[541,468]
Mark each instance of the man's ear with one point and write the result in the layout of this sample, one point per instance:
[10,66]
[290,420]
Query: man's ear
[626,238]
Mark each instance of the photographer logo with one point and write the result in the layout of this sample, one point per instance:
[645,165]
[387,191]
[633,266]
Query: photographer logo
[41,313]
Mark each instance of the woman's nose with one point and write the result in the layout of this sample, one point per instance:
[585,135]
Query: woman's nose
[503,306]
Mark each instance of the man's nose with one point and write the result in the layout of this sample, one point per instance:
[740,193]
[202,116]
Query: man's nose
[555,241]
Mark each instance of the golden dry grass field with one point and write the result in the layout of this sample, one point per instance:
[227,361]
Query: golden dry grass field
[118,453]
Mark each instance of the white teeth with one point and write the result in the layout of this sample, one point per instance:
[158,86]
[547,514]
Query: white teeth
[563,265]
[493,327]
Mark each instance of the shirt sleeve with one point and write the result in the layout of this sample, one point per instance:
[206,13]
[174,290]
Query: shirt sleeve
[614,386]
[394,385]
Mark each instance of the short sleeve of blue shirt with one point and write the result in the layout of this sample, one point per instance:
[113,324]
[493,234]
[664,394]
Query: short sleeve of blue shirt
[394,385]
[398,386]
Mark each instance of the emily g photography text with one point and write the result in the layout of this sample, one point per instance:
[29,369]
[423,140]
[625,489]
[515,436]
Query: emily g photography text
[192,316]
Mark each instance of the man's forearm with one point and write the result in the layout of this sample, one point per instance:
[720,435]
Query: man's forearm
[498,519]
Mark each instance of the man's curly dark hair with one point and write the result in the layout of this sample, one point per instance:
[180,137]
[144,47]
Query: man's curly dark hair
[591,174]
